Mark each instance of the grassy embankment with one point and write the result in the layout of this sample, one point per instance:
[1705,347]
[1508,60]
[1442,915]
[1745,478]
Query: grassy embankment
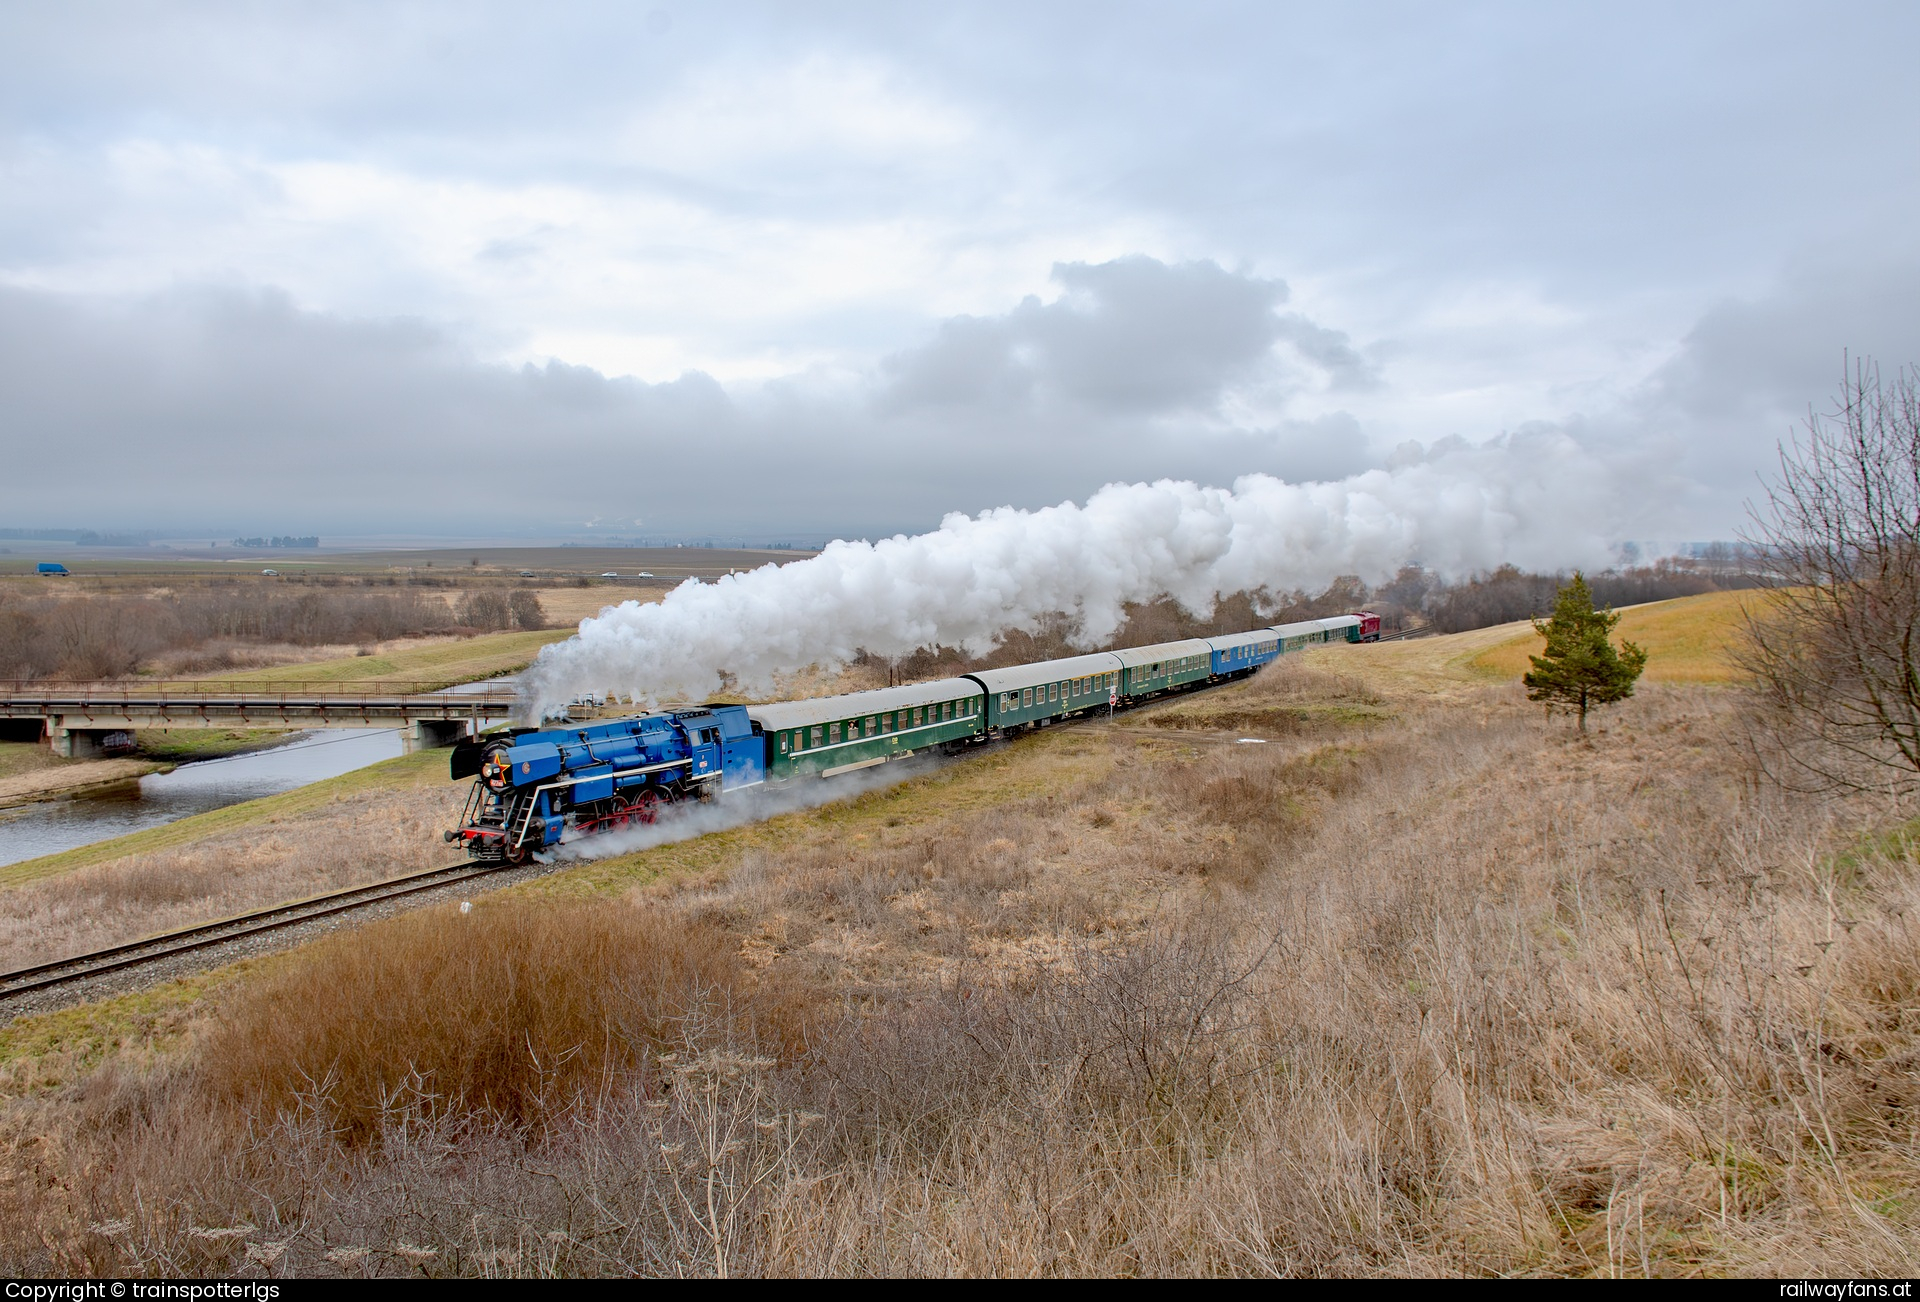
[1686,640]
[1421,985]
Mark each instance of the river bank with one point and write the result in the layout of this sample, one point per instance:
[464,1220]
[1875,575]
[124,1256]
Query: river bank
[73,780]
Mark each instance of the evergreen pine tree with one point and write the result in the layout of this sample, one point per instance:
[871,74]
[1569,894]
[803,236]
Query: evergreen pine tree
[1579,668]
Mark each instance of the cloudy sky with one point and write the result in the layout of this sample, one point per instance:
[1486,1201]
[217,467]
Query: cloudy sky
[838,269]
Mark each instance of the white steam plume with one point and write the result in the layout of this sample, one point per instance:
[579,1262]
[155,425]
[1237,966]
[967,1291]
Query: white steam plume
[683,822]
[1456,508]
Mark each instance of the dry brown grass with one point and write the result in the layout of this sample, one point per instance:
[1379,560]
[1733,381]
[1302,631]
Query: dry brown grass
[359,838]
[1448,993]
[504,1014]
[1295,700]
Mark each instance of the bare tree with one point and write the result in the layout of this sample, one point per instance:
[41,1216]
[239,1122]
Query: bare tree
[1834,650]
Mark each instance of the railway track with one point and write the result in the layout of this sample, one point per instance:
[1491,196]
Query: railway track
[154,949]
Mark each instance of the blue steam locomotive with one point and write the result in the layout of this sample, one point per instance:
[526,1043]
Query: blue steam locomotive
[533,787]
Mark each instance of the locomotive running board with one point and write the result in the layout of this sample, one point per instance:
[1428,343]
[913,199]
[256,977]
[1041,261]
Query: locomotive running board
[863,764]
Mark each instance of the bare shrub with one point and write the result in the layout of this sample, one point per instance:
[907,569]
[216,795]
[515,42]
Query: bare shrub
[102,637]
[525,606]
[1834,653]
[507,1012]
[486,609]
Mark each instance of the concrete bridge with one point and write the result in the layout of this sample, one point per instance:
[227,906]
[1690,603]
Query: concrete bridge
[81,719]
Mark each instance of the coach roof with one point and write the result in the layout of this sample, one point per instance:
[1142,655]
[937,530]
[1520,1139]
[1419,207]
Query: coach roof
[1015,677]
[1133,657]
[1228,641]
[777,716]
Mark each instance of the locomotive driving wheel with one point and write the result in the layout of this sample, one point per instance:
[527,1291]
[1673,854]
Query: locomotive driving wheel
[644,807]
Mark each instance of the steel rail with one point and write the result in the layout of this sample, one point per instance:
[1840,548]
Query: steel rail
[116,958]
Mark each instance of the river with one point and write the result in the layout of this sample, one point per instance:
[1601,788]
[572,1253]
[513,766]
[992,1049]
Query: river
[48,827]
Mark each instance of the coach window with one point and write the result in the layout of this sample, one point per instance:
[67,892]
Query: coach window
[1026,698]
[833,732]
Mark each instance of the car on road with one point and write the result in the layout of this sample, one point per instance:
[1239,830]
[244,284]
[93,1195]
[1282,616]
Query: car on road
[274,573]
[643,574]
[526,574]
[609,575]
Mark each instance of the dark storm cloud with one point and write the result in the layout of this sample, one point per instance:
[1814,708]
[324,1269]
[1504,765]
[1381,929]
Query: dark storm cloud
[247,409]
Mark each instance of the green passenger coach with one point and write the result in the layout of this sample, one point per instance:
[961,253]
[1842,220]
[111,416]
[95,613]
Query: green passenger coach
[1150,670]
[835,734]
[1026,696]
[1312,632]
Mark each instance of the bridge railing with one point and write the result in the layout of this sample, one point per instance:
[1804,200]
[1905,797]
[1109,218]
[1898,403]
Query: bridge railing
[186,689]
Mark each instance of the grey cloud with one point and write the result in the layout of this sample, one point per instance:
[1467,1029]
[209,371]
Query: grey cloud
[228,405]
[1748,372]
[1764,360]
[1133,335]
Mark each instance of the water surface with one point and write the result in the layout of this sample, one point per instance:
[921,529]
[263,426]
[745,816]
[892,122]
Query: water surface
[48,827]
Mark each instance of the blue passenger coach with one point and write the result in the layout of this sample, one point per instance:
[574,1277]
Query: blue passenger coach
[1235,654]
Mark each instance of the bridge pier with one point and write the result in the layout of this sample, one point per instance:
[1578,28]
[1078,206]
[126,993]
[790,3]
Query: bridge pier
[425,734]
[86,743]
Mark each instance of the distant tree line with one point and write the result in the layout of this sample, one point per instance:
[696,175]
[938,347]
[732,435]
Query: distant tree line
[201,629]
[287,541]
[81,537]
